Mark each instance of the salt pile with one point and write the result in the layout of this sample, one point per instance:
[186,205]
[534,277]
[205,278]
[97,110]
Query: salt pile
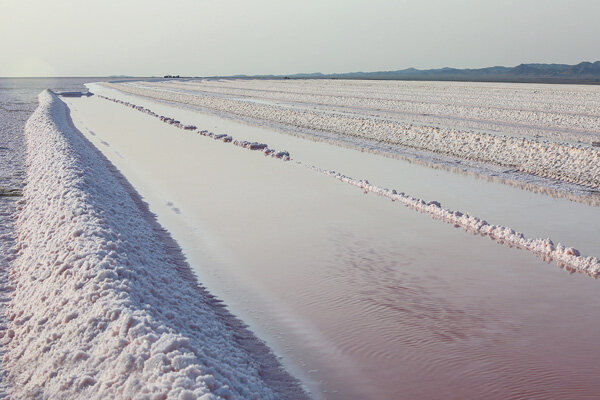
[104,304]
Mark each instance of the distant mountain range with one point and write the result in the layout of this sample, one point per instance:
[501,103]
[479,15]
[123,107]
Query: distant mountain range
[585,72]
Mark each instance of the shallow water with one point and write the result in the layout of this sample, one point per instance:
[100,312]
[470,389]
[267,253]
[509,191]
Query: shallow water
[364,298]
[534,214]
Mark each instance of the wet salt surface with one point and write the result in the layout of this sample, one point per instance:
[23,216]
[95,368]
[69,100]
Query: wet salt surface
[365,299]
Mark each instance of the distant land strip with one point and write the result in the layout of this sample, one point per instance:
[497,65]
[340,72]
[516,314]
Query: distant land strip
[582,73]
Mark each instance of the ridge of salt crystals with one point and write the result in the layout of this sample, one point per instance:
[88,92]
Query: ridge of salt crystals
[566,257]
[104,304]
[283,155]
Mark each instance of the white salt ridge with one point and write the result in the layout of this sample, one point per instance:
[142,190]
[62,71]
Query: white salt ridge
[573,163]
[283,155]
[566,257]
[104,304]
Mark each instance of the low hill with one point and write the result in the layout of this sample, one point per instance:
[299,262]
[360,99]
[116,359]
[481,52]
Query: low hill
[584,72]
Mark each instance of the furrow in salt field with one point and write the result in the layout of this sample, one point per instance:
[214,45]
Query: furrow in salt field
[566,257]
[573,163]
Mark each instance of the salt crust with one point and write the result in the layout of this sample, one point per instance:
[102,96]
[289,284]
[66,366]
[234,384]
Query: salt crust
[104,304]
[562,112]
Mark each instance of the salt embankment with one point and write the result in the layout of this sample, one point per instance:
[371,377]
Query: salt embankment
[568,162]
[566,257]
[104,304]
[283,155]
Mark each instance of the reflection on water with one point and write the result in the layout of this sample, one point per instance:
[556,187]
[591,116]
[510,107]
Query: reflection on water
[369,299]
[381,283]
[418,330]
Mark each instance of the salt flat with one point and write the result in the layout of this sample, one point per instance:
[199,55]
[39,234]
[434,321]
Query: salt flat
[535,214]
[528,130]
[362,296]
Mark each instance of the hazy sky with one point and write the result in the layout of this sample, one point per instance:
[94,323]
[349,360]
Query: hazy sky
[221,37]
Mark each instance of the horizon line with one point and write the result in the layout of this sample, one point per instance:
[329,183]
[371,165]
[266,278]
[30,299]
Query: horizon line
[286,74]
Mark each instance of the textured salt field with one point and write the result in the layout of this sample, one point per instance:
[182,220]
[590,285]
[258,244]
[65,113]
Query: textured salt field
[556,111]
[534,151]
[363,297]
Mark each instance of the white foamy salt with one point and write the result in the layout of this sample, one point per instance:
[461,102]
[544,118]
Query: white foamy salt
[104,304]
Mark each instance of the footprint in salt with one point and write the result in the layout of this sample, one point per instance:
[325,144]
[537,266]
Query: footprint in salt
[172,207]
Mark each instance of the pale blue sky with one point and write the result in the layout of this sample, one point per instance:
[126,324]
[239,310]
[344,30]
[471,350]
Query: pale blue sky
[221,37]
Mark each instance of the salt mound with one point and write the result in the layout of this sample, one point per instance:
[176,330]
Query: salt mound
[104,304]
